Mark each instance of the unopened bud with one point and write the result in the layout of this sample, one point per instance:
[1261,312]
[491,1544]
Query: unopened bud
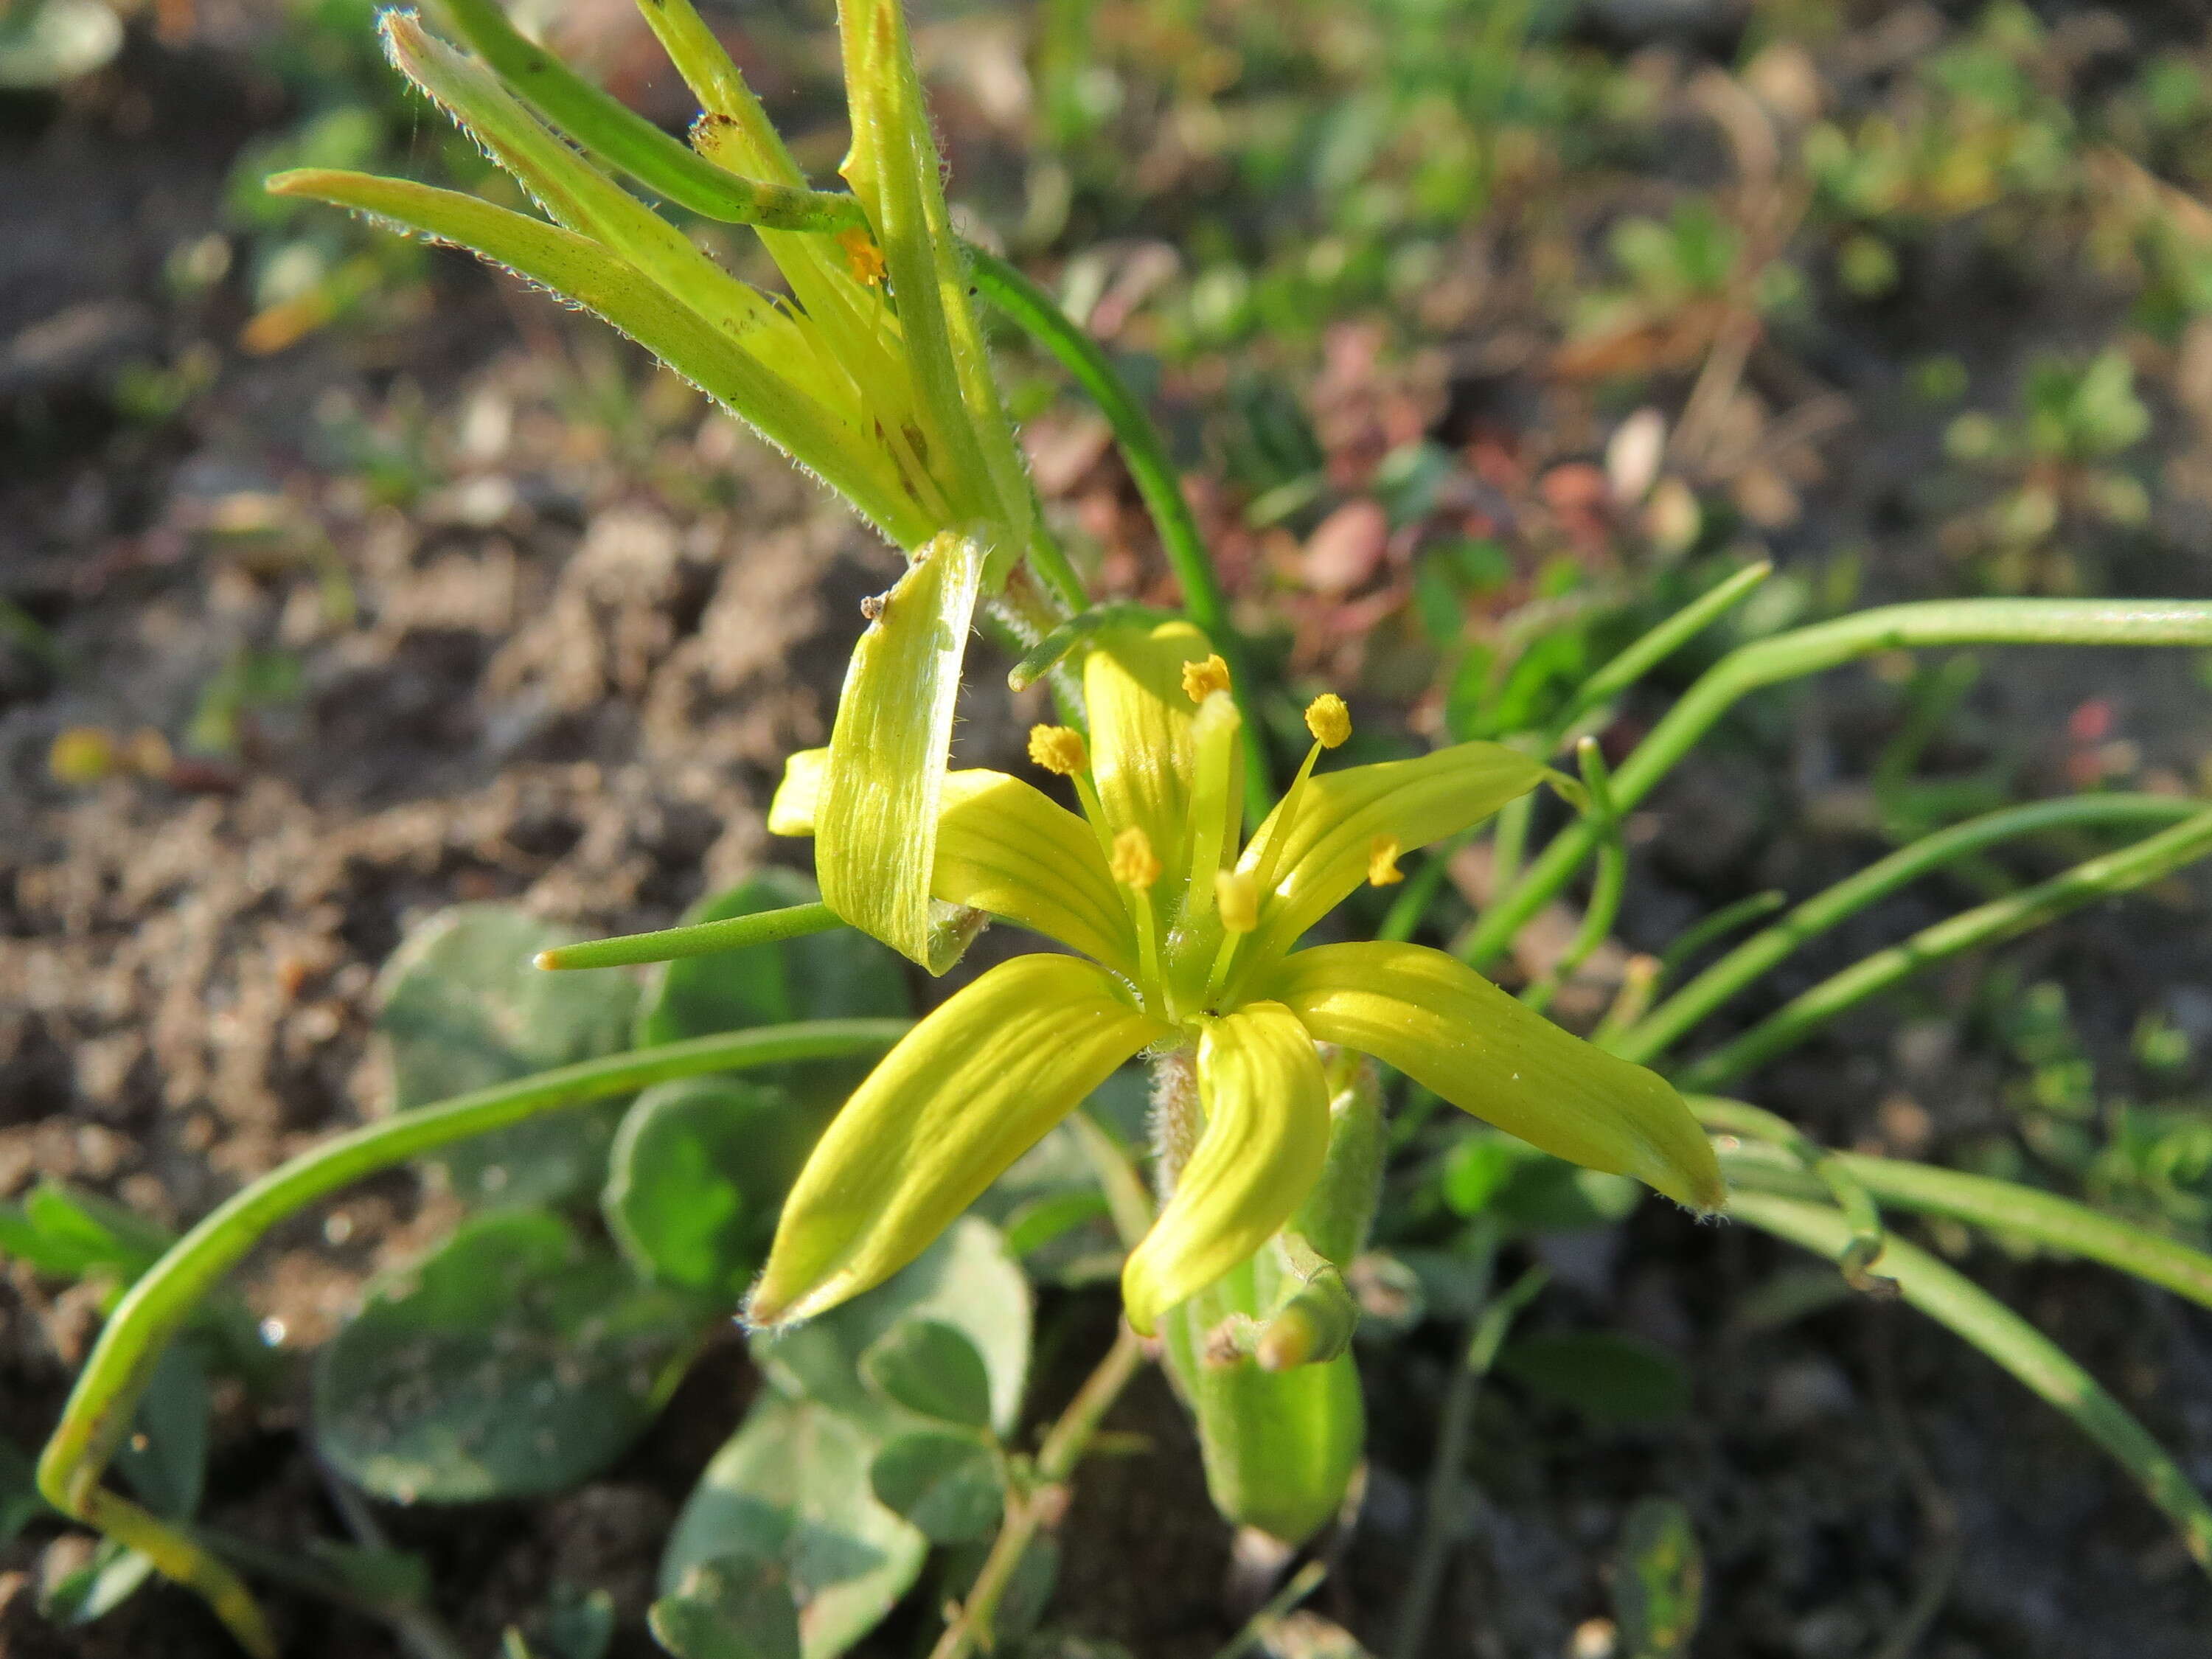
[1058,748]
[1328,720]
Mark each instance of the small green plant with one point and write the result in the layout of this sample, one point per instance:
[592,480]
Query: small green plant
[766,1114]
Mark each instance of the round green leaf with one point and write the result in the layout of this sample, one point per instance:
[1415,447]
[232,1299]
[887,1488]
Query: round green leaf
[967,1279]
[838,974]
[698,1175]
[461,1007]
[946,1485]
[931,1368]
[730,1608]
[1607,1376]
[791,1486]
[514,1361]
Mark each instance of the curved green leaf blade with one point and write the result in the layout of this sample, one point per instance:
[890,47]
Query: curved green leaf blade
[931,1369]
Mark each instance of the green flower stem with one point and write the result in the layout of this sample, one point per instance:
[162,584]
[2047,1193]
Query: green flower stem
[1040,317]
[1672,1019]
[1955,1301]
[1441,1529]
[2131,868]
[2003,1208]
[1721,923]
[107,1390]
[1605,893]
[704,939]
[1261,1625]
[1028,1512]
[1809,651]
[610,129]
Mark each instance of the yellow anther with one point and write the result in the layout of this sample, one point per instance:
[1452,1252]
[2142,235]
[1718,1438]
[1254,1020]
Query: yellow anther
[1382,861]
[1328,720]
[862,257]
[1202,679]
[1135,864]
[1237,896]
[1058,748]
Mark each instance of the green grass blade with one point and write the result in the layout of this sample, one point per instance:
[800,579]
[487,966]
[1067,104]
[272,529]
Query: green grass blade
[2123,871]
[627,141]
[1807,651]
[1654,647]
[704,939]
[1673,1018]
[2006,1207]
[1956,1302]
[108,1389]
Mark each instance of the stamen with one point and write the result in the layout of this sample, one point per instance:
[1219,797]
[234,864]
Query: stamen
[1383,869]
[1202,679]
[1328,720]
[863,258]
[1059,749]
[1238,895]
[1134,865]
[1213,797]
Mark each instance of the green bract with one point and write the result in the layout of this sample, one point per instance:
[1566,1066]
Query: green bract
[1191,943]
[872,373]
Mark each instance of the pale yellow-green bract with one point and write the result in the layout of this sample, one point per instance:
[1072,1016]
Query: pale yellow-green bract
[1139,884]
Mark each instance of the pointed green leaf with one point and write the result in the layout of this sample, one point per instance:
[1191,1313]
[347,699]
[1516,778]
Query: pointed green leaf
[580,270]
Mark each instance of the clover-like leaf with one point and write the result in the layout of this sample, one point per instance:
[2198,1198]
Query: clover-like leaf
[461,1007]
[729,1608]
[967,1279]
[695,1177]
[932,1369]
[946,1485]
[791,1487]
[516,1360]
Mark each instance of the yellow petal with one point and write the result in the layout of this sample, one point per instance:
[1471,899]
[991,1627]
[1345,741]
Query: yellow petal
[1266,1101]
[1141,751]
[1342,816]
[1006,847]
[1449,1029]
[875,821]
[798,797]
[964,1095]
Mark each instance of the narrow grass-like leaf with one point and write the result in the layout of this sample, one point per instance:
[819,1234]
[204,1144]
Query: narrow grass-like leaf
[580,270]
[605,126]
[1674,1017]
[704,939]
[2131,868]
[1972,1314]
